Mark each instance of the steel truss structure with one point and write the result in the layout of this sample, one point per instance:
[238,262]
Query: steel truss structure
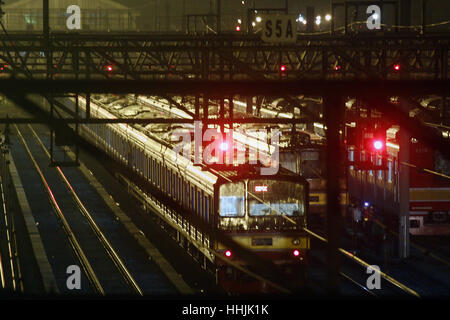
[225,57]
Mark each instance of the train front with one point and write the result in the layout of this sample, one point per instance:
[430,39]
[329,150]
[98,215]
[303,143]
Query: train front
[266,216]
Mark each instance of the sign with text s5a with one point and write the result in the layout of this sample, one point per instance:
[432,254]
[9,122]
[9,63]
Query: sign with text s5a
[279,28]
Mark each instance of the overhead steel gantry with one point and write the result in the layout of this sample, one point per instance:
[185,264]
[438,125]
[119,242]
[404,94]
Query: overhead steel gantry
[143,56]
[226,57]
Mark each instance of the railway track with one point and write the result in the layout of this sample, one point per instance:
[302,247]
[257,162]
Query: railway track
[111,264]
[10,271]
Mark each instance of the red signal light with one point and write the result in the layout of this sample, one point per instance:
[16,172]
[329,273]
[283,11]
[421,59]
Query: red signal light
[238,28]
[228,253]
[296,253]
[224,146]
[109,68]
[283,68]
[397,67]
[378,144]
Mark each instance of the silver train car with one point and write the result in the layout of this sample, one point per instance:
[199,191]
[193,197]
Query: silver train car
[264,214]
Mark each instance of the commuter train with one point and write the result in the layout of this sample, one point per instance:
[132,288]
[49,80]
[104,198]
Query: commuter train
[302,151]
[264,214]
[429,194]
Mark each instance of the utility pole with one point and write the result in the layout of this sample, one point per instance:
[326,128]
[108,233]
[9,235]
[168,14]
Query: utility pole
[219,16]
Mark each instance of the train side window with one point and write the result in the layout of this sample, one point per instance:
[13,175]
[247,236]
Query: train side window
[380,172]
[206,208]
[179,189]
[389,170]
[200,204]
[163,178]
[139,156]
[141,161]
[151,169]
[351,157]
[174,185]
[187,199]
[158,172]
[193,199]
[169,180]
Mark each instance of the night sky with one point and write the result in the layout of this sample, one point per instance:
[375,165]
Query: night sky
[437,10]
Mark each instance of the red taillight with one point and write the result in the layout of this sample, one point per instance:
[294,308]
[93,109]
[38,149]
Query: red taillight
[228,253]
[296,253]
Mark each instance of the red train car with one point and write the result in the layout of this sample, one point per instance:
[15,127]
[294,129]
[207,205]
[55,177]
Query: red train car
[429,193]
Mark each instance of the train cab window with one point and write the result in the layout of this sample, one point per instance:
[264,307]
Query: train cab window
[271,197]
[232,201]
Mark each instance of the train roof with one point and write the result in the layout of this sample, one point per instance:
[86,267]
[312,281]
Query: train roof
[158,141]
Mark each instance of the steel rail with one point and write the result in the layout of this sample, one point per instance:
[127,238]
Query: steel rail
[365,264]
[101,236]
[71,236]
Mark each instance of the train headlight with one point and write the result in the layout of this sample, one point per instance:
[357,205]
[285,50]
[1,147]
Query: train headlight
[296,241]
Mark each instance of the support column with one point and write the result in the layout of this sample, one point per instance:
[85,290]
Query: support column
[249,107]
[310,19]
[333,109]
[403,156]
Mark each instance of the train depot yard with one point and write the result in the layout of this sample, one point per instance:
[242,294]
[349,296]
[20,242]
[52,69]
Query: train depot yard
[206,152]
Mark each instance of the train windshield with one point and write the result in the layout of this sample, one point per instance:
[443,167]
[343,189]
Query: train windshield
[273,197]
[311,166]
[232,200]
